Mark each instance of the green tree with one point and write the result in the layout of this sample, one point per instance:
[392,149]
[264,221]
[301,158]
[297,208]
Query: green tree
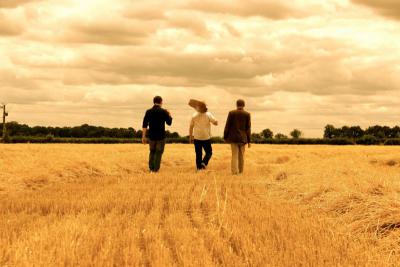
[296,134]
[256,136]
[267,134]
[330,131]
[280,136]
[395,132]
[378,131]
[355,132]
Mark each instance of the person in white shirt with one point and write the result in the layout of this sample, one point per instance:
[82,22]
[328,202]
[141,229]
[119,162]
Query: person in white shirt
[200,134]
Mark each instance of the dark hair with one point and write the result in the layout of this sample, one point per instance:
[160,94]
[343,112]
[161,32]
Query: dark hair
[157,100]
[202,108]
[240,103]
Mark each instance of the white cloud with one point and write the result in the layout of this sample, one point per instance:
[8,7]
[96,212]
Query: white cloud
[307,63]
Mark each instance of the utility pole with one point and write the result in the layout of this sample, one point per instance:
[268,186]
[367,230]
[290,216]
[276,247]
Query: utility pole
[5,114]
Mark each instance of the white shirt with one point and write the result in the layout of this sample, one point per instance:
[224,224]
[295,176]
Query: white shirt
[202,125]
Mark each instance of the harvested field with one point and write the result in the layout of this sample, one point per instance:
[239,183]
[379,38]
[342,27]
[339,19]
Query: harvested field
[96,205]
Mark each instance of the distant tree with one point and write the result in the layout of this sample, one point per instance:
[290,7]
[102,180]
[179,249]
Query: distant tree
[174,135]
[296,134]
[95,132]
[16,129]
[131,132]
[64,132]
[83,131]
[280,136]
[168,134]
[395,132]
[267,134]
[88,131]
[344,132]
[378,131]
[355,132]
[330,132]
[368,140]
[387,130]
[39,131]
[139,134]
[256,136]
[79,131]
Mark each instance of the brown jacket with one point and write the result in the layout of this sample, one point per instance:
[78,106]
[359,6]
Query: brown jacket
[238,127]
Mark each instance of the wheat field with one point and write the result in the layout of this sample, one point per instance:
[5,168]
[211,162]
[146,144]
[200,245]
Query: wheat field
[96,205]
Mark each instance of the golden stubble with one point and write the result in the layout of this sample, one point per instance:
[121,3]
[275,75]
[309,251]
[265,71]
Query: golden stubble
[96,205]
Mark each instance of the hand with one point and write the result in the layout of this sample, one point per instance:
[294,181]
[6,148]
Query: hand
[144,141]
[190,139]
[249,145]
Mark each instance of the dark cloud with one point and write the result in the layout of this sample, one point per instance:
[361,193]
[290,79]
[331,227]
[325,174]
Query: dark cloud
[155,9]
[109,32]
[9,26]
[11,80]
[191,22]
[388,8]
[152,10]
[263,8]
[319,66]
[15,3]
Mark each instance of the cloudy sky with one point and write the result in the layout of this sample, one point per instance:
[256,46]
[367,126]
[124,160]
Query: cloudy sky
[298,63]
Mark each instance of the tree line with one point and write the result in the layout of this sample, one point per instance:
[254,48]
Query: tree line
[356,132]
[268,134]
[90,131]
[345,132]
[83,131]
[346,135]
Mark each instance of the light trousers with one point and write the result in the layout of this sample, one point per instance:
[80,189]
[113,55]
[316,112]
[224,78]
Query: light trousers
[238,153]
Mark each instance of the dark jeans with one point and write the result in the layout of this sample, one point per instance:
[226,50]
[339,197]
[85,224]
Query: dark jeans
[199,145]
[156,152]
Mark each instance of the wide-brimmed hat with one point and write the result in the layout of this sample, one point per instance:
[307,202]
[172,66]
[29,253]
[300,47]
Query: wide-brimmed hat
[200,106]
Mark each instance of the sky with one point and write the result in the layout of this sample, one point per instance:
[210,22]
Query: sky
[298,64]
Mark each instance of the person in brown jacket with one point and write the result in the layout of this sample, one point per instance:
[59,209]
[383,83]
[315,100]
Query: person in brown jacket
[238,134]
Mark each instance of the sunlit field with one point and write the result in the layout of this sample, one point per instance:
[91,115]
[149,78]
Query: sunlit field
[96,205]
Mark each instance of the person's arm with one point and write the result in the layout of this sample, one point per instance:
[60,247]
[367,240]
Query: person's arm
[248,130]
[227,126]
[144,139]
[144,128]
[213,120]
[191,131]
[168,119]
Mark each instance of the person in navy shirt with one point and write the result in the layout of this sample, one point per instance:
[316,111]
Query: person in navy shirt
[154,125]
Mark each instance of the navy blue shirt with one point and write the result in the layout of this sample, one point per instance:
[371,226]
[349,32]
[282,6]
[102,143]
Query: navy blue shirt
[155,119]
